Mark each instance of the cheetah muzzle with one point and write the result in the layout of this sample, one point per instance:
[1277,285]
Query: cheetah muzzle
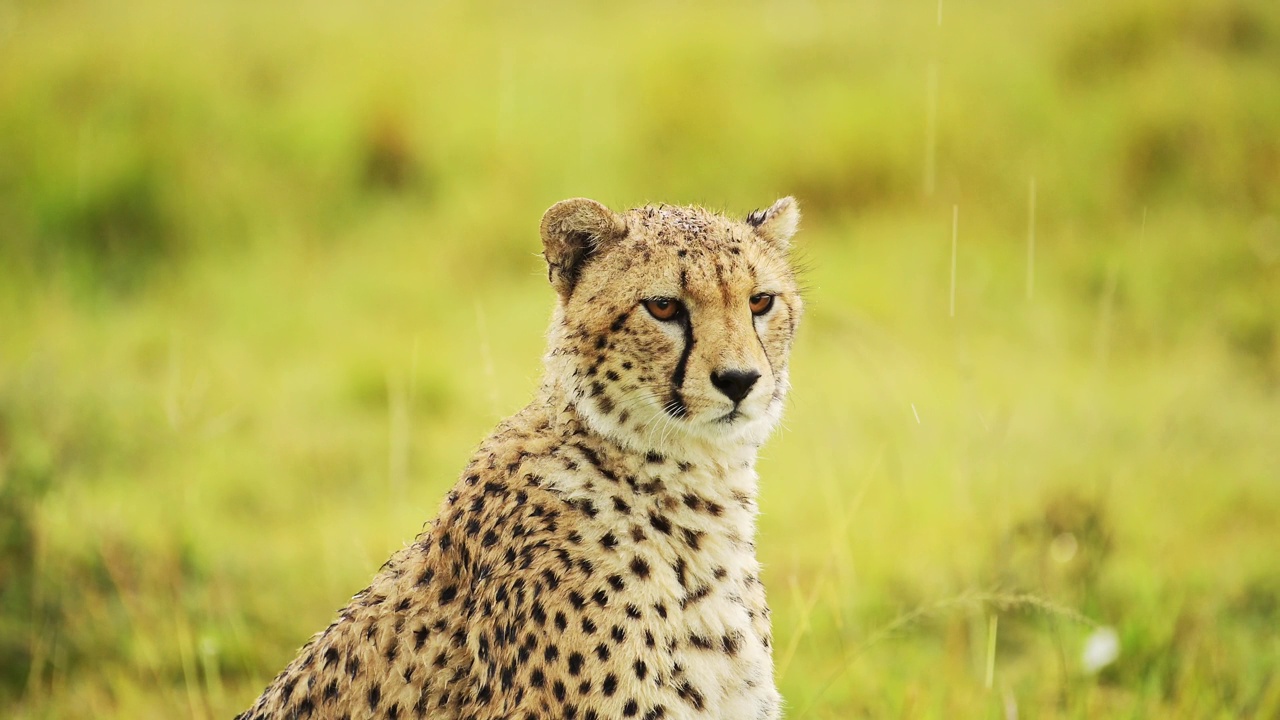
[596,560]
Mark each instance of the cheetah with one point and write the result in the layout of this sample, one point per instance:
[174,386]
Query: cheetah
[596,559]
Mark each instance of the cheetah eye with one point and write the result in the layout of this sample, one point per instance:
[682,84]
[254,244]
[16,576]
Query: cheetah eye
[760,303]
[664,308]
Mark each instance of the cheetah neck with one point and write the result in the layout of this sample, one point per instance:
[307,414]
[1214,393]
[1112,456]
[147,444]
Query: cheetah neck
[725,479]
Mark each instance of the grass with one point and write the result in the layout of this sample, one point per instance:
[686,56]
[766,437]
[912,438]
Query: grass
[268,273]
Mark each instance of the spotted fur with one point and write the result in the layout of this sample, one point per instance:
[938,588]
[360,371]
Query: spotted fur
[596,560]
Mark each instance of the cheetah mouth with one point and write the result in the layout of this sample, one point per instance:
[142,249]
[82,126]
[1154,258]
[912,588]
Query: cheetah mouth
[730,417]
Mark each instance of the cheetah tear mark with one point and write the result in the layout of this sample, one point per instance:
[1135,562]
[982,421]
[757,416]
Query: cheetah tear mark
[677,408]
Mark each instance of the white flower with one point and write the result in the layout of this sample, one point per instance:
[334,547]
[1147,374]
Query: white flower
[1101,648]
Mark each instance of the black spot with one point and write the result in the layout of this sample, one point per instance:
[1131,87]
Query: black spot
[701,592]
[609,541]
[640,568]
[575,663]
[588,627]
[375,696]
[691,695]
[448,594]
[610,685]
[729,644]
[660,523]
[699,641]
[641,669]
[508,678]
[536,678]
[630,709]
[553,580]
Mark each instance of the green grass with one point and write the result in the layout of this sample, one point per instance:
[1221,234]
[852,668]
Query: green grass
[267,274]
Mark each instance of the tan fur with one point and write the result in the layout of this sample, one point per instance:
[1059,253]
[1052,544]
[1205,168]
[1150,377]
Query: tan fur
[596,560]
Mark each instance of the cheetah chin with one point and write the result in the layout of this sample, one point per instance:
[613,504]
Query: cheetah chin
[596,560]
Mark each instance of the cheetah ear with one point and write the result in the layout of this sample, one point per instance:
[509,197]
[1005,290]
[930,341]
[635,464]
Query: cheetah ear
[778,223]
[571,231]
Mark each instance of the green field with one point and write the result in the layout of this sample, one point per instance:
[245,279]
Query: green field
[269,272]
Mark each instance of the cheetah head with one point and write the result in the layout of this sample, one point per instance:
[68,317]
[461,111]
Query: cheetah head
[674,324]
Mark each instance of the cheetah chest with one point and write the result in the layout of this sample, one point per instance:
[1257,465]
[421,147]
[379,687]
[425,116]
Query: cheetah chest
[679,593]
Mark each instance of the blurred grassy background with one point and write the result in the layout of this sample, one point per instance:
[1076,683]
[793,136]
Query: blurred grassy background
[267,273]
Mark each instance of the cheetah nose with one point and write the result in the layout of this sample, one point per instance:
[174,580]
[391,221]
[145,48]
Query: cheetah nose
[735,384]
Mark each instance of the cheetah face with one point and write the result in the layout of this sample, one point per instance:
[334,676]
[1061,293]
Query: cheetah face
[674,324]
